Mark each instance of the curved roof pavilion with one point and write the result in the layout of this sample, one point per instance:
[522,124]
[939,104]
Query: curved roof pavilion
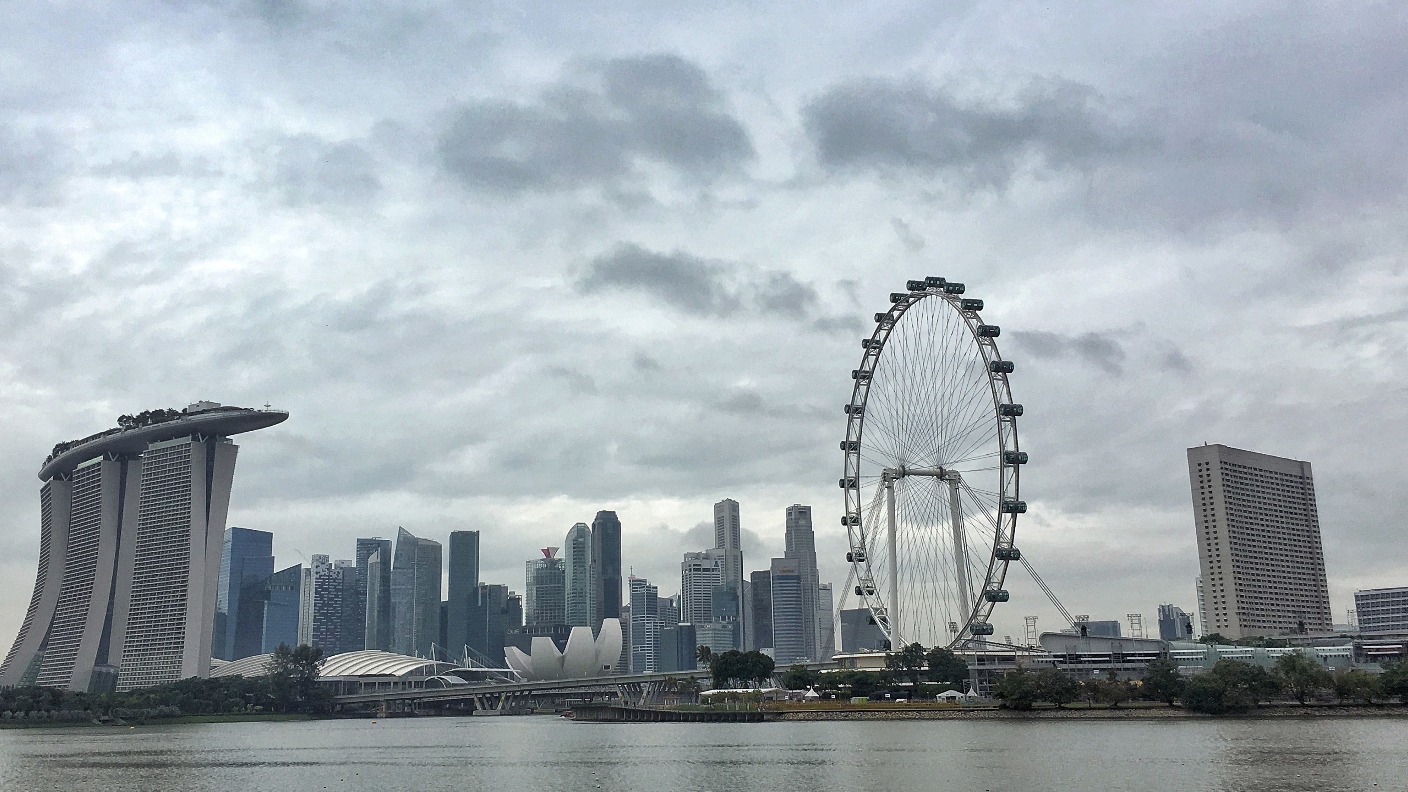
[216,420]
[348,666]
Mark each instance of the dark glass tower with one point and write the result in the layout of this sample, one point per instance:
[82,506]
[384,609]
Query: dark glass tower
[462,614]
[606,564]
[374,592]
[246,562]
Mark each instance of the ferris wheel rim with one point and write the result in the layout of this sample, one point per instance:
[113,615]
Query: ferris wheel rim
[1008,458]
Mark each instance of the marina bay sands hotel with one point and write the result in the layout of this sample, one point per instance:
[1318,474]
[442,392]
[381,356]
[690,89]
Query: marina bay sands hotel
[132,523]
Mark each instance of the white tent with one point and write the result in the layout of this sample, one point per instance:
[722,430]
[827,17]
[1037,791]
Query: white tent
[952,696]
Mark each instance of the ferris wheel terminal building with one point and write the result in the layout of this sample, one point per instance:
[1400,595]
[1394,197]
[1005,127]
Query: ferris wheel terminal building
[132,524]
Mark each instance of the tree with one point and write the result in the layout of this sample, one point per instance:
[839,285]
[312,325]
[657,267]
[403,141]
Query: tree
[1301,676]
[1394,681]
[1356,685]
[799,677]
[704,655]
[1016,690]
[946,668]
[1162,682]
[1231,686]
[1111,690]
[909,663]
[1214,638]
[1056,687]
[747,667]
[293,679]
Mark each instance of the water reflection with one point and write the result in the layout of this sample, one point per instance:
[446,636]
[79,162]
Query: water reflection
[540,753]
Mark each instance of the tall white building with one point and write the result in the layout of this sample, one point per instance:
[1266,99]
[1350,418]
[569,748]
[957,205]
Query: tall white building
[826,619]
[1259,549]
[132,524]
[699,574]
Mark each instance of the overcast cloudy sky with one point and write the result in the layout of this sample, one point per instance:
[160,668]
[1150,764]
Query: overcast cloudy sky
[507,266]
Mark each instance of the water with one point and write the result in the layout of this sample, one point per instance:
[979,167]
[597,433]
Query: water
[510,754]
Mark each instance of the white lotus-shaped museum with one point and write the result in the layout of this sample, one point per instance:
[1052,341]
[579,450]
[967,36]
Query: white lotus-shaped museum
[583,658]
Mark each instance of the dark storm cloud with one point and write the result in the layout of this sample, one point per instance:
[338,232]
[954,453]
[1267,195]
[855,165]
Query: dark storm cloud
[309,170]
[597,128]
[897,125]
[1095,349]
[698,286]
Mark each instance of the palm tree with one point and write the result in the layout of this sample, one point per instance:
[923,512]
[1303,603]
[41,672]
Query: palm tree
[704,654]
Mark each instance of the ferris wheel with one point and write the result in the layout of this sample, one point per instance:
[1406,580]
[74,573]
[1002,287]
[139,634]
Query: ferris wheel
[931,468]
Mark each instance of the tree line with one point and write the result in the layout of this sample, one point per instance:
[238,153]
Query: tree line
[1230,686]
[290,686]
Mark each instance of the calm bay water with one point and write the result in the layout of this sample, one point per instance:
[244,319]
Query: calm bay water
[545,753]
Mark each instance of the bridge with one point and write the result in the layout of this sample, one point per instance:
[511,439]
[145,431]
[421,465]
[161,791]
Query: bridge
[499,697]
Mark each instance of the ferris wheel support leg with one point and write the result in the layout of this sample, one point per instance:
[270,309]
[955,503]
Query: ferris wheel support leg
[962,570]
[894,564]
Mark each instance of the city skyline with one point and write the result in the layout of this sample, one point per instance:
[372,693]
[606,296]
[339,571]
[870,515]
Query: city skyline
[1186,221]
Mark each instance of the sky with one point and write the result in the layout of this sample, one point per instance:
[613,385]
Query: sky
[509,264]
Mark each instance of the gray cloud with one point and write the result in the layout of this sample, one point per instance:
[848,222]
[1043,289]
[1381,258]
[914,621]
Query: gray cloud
[893,125]
[696,285]
[596,128]
[33,165]
[309,170]
[1100,351]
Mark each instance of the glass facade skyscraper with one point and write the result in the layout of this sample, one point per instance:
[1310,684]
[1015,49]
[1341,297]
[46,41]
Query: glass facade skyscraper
[415,594]
[246,562]
[545,592]
[801,548]
[462,612]
[606,561]
[580,577]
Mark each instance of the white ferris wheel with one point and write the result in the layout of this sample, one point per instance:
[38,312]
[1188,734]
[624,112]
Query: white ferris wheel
[931,468]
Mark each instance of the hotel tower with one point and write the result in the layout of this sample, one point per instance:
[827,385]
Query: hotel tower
[132,523]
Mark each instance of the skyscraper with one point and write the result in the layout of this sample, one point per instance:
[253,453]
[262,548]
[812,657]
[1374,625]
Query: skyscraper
[132,526]
[801,547]
[1259,550]
[760,608]
[826,622]
[582,587]
[728,537]
[337,622]
[283,594]
[415,594]
[700,572]
[247,559]
[860,633]
[358,612]
[789,625]
[503,613]
[462,613]
[1174,624]
[377,578]
[545,590]
[1382,610]
[606,564]
[645,625]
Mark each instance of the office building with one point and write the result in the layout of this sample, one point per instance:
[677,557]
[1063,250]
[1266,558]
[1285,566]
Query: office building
[1259,549]
[367,610]
[606,563]
[282,599]
[582,589]
[503,614]
[826,621]
[415,594]
[246,562]
[462,613]
[132,528]
[677,648]
[1202,606]
[545,591]
[860,633]
[700,573]
[728,538]
[645,625]
[305,606]
[1383,610]
[801,548]
[1174,624]
[789,623]
[760,609]
[377,633]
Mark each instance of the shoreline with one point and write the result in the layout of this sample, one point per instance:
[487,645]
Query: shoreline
[1120,713]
